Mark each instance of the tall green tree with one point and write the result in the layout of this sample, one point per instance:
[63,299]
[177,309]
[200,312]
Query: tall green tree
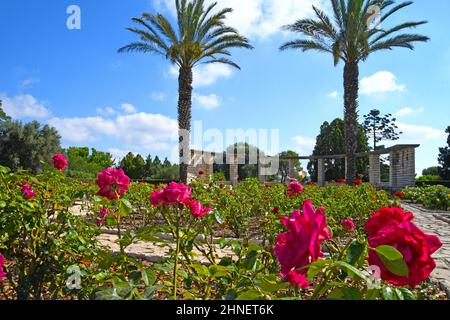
[284,165]
[199,37]
[380,128]
[444,159]
[3,116]
[27,146]
[331,141]
[85,164]
[349,35]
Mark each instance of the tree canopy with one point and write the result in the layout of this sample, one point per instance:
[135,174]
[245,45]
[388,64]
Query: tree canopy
[331,141]
[444,159]
[27,146]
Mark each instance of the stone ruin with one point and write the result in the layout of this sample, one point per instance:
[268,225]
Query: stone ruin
[401,158]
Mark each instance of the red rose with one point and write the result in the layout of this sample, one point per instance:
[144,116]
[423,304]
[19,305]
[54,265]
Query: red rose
[357,182]
[393,227]
[300,245]
[297,279]
[60,162]
[172,194]
[295,188]
[275,210]
[201,172]
[340,180]
[348,225]
[112,183]
[400,195]
[197,209]
[384,216]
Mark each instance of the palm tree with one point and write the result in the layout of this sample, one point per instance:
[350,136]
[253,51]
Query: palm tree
[351,38]
[200,37]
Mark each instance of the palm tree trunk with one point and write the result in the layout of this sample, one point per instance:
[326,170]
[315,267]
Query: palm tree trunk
[184,119]
[351,87]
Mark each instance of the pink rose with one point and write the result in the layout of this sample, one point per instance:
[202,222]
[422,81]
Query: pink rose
[112,183]
[393,227]
[60,162]
[197,209]
[295,188]
[348,225]
[102,216]
[174,193]
[27,192]
[297,279]
[300,245]
[2,264]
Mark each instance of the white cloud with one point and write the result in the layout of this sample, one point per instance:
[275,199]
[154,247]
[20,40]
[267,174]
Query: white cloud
[24,106]
[106,111]
[333,94]
[305,145]
[209,74]
[408,111]
[419,133]
[207,102]
[205,75]
[159,96]
[381,82]
[140,130]
[128,108]
[28,82]
[118,154]
[259,18]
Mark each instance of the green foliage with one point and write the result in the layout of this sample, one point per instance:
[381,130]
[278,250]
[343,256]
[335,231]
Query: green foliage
[150,169]
[444,159]
[284,165]
[431,171]
[27,146]
[86,165]
[348,35]
[331,141]
[433,197]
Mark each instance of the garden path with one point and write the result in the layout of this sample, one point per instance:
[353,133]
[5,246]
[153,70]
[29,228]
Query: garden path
[437,223]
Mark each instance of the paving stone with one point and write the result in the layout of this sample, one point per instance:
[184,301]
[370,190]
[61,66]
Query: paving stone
[432,222]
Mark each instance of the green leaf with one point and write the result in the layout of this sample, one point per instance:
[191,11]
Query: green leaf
[345,294]
[219,271]
[316,267]
[107,294]
[393,260]
[356,253]
[219,217]
[388,293]
[272,286]
[250,295]
[352,271]
[406,293]
[125,207]
[149,277]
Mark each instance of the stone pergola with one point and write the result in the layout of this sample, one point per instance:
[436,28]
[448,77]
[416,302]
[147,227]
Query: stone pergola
[401,158]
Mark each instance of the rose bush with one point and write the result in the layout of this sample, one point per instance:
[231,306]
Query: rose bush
[277,244]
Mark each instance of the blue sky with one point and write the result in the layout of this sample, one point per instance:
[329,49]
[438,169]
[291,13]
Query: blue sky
[76,81]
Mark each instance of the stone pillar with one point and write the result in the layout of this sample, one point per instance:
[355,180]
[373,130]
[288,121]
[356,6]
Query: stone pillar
[291,168]
[261,177]
[234,173]
[394,170]
[374,170]
[321,172]
[407,163]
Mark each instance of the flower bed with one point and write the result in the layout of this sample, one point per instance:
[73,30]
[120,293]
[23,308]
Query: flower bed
[433,197]
[315,243]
